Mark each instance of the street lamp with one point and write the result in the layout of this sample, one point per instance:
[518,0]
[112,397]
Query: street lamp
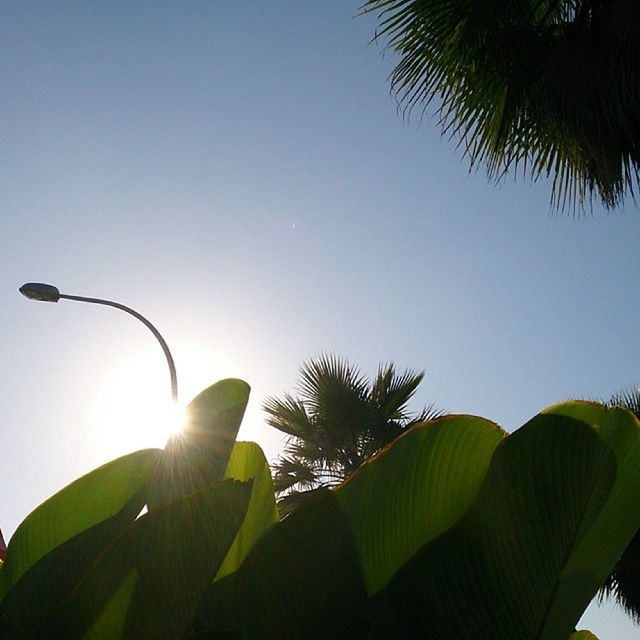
[49,293]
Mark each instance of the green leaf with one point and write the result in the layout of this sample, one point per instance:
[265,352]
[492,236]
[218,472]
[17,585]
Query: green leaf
[26,608]
[455,531]
[300,580]
[199,454]
[91,499]
[619,520]
[110,623]
[514,566]
[148,583]
[312,574]
[620,430]
[416,490]
[583,635]
[193,459]
[247,462]
[180,549]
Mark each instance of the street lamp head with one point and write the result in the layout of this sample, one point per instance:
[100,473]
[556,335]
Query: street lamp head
[40,291]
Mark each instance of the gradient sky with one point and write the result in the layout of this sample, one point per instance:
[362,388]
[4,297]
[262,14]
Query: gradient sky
[238,172]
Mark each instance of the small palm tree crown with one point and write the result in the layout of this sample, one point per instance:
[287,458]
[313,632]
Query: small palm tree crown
[550,87]
[338,419]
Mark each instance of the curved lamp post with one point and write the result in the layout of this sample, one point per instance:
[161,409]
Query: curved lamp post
[49,293]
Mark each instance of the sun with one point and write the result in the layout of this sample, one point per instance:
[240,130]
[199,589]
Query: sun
[133,408]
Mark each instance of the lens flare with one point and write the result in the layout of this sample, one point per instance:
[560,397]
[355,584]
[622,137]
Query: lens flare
[133,408]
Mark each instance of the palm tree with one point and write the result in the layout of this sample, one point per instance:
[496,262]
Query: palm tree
[624,581]
[550,87]
[338,420]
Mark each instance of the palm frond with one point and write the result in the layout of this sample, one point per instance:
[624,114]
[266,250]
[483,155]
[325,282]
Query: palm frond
[548,86]
[338,419]
[629,399]
[391,392]
[430,412]
[624,581]
[289,472]
[327,372]
[288,415]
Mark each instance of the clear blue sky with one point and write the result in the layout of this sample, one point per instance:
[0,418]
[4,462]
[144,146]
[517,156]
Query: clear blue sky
[238,172]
